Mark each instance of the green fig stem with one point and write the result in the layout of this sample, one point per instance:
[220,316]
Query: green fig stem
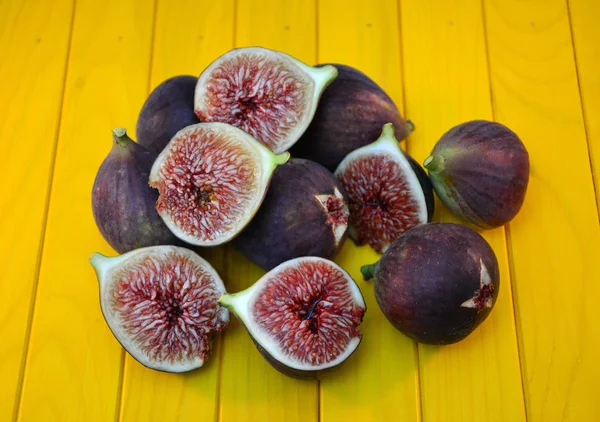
[387,131]
[434,163]
[120,137]
[368,271]
[410,126]
[281,158]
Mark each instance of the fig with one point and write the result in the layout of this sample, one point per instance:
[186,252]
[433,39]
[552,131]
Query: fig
[161,304]
[304,214]
[266,93]
[436,283]
[168,109]
[480,171]
[303,315]
[350,115]
[122,201]
[211,179]
[388,192]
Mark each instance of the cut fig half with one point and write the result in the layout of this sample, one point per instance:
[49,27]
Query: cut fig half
[161,304]
[268,94]
[389,193]
[303,315]
[211,178]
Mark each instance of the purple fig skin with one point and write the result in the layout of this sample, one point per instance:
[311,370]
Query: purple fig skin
[291,222]
[480,170]
[424,281]
[350,115]
[123,203]
[168,109]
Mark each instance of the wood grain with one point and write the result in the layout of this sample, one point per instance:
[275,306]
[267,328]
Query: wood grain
[74,364]
[251,389]
[554,241]
[478,378]
[379,382]
[33,69]
[584,17]
[186,39]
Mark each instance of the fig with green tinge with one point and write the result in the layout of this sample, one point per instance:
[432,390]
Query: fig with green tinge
[303,315]
[304,214]
[161,304]
[168,109]
[480,170]
[350,115]
[266,93]
[211,179]
[123,203]
[388,192]
[437,282]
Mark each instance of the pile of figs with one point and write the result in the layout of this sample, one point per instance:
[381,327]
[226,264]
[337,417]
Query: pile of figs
[212,165]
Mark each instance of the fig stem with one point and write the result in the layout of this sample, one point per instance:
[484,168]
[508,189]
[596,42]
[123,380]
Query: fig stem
[120,137]
[368,271]
[434,163]
[410,126]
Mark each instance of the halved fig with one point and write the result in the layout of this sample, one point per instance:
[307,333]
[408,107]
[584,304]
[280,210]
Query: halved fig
[389,193]
[160,303]
[303,315]
[268,94]
[211,178]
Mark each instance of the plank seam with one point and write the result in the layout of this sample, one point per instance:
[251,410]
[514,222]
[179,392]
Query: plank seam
[507,236]
[38,263]
[418,380]
[583,112]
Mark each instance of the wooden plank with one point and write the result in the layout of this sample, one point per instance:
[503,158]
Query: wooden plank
[252,390]
[188,36]
[34,40]
[585,15]
[478,379]
[379,382]
[73,367]
[554,241]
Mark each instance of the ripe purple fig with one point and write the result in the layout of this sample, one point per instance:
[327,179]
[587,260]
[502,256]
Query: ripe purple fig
[161,304]
[266,93]
[211,178]
[122,201]
[303,315]
[480,170]
[389,193]
[168,109]
[304,214]
[437,282]
[350,115]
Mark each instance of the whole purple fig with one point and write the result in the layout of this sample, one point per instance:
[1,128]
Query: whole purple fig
[437,282]
[480,170]
[122,201]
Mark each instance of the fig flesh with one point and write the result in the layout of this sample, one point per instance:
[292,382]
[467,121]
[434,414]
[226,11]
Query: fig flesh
[266,93]
[388,192]
[211,178]
[161,304]
[123,203]
[350,115]
[304,214]
[303,315]
[480,171]
[437,282]
[168,109]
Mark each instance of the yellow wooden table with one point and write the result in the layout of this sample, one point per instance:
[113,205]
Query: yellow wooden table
[71,70]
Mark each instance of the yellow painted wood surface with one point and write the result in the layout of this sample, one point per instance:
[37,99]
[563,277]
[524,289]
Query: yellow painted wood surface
[34,52]
[440,93]
[585,15]
[530,65]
